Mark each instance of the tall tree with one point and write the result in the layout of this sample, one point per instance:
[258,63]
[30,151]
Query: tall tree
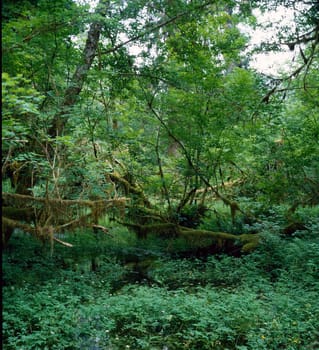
[93,119]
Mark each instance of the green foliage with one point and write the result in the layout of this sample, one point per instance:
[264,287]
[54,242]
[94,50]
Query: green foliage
[183,116]
[265,300]
[190,88]
[20,110]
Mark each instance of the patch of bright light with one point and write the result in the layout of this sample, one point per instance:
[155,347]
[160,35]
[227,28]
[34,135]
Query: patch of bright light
[273,62]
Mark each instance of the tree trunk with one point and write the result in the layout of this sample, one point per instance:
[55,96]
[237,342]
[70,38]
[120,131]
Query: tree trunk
[72,92]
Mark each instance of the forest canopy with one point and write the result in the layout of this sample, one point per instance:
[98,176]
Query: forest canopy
[151,113]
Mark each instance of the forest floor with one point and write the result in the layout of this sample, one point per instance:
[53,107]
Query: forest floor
[123,293]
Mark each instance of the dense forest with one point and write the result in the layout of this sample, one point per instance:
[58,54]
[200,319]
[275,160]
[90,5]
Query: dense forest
[159,190]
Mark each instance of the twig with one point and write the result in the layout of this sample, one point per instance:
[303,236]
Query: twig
[103,229]
[62,242]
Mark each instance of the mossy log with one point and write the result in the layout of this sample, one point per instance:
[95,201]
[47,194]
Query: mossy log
[154,222]
[246,242]
[163,229]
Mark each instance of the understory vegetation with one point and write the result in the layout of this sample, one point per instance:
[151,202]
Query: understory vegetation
[118,293]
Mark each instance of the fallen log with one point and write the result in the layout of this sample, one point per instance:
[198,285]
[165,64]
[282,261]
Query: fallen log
[247,242]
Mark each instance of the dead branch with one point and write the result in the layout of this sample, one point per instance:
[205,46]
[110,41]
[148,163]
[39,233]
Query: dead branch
[62,242]
[103,229]
[79,222]
[16,224]
[304,66]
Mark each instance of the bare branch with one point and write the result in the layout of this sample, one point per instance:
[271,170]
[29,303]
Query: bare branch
[62,242]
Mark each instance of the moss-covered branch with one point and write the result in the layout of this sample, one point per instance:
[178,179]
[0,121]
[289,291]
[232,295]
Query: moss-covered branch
[36,214]
[45,233]
[130,188]
[66,202]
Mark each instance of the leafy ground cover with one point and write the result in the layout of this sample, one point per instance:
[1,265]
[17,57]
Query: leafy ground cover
[120,293]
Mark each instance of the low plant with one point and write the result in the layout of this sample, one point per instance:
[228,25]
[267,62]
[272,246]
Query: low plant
[265,300]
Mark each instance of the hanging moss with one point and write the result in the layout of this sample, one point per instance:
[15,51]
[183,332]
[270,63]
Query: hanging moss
[43,217]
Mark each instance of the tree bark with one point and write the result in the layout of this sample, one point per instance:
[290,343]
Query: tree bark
[89,52]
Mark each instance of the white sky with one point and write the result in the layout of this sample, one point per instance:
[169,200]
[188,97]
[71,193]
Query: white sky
[271,63]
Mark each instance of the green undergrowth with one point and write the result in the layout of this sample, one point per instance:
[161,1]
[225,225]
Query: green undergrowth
[119,293]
